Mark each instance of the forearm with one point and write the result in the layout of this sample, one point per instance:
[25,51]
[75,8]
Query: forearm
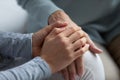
[39,9]
[16,44]
[36,69]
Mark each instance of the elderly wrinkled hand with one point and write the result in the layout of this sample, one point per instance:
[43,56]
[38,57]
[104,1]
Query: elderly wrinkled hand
[77,66]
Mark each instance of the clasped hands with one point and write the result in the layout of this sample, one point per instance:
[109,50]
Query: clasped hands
[62,47]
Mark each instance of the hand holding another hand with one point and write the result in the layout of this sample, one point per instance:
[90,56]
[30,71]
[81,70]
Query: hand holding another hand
[39,37]
[77,67]
[61,48]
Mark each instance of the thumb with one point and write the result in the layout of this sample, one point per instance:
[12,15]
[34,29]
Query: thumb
[41,34]
[93,48]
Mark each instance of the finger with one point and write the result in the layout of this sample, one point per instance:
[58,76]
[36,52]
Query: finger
[79,43]
[81,51]
[79,66]
[58,24]
[72,71]
[55,32]
[93,48]
[65,74]
[75,36]
[68,31]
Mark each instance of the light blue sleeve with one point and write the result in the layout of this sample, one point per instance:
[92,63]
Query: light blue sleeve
[16,45]
[36,69]
[40,9]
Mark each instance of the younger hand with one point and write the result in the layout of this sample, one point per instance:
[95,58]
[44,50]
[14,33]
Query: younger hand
[60,48]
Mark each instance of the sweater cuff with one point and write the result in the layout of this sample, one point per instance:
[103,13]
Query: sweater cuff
[28,49]
[44,66]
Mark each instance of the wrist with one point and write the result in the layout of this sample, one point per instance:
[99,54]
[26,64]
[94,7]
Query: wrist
[35,45]
[49,63]
[58,16]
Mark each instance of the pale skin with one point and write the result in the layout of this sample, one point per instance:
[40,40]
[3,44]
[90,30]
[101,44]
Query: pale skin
[77,67]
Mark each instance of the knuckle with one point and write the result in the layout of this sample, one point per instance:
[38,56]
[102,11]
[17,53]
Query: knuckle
[65,41]
[56,31]
[80,27]
[65,45]
[47,38]
[82,33]
[86,35]
[82,51]
[78,33]
[85,40]
[68,49]
[76,27]
[60,37]
[68,52]
[58,22]
[81,42]
[70,56]
[72,29]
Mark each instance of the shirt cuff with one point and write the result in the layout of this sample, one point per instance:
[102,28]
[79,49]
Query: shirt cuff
[16,44]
